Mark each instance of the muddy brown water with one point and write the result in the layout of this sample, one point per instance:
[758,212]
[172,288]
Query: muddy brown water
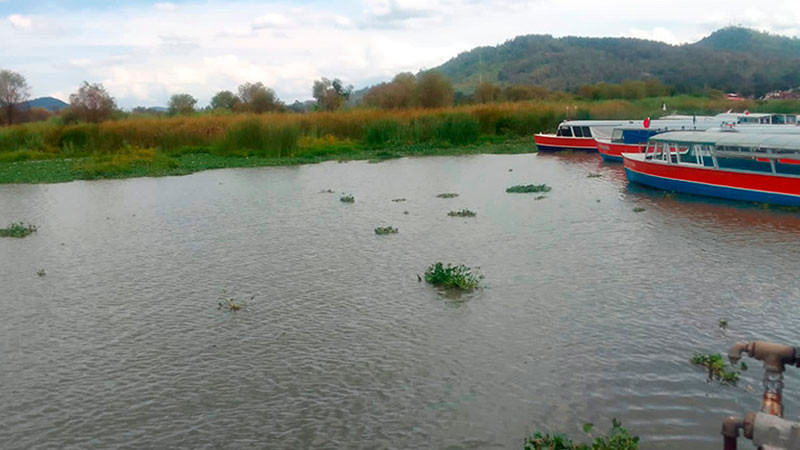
[589,311]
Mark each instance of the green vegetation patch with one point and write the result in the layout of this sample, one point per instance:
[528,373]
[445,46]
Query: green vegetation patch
[229,305]
[528,188]
[457,277]
[447,195]
[618,438]
[463,213]
[17,230]
[386,230]
[347,199]
[716,367]
[639,209]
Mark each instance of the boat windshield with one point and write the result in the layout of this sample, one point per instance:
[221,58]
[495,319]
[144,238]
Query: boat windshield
[564,131]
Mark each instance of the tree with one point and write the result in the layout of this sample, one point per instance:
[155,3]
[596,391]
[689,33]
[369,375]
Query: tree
[331,95]
[258,98]
[181,104]
[487,92]
[399,93]
[91,103]
[434,90]
[13,91]
[224,100]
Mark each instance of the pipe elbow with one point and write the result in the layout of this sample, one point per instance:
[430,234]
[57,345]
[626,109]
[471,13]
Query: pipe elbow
[736,350]
[731,426]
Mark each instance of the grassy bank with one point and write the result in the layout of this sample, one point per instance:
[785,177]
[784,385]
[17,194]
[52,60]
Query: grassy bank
[147,146]
[58,170]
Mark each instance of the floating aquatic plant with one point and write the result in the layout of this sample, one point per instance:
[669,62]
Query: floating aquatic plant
[447,195]
[723,324]
[459,277]
[229,304]
[463,213]
[540,197]
[327,191]
[398,200]
[716,367]
[594,175]
[41,272]
[386,230]
[347,199]
[639,209]
[17,230]
[618,438]
[528,188]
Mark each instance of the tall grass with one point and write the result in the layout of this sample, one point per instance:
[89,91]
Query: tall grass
[277,135]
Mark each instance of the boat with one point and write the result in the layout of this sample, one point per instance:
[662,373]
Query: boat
[578,134]
[754,167]
[634,139]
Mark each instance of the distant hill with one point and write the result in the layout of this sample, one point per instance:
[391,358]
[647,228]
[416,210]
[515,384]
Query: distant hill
[751,41]
[49,103]
[731,59]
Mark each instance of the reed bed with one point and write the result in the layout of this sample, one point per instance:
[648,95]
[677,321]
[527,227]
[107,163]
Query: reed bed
[283,135]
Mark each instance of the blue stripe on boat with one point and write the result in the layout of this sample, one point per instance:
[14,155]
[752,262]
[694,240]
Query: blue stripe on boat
[710,190]
[611,158]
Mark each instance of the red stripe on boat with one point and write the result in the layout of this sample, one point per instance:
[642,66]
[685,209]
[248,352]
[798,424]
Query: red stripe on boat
[776,184]
[551,140]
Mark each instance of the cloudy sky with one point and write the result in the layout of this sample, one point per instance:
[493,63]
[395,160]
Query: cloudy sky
[144,51]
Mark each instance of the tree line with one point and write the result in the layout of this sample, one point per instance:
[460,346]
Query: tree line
[429,89]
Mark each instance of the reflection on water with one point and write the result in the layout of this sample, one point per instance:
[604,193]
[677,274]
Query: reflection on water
[590,311]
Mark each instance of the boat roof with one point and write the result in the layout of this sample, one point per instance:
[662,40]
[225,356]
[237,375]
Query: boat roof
[754,140]
[596,123]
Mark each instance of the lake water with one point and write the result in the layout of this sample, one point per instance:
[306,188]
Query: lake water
[589,311]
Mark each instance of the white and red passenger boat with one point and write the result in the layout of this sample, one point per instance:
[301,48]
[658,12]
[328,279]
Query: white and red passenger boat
[754,167]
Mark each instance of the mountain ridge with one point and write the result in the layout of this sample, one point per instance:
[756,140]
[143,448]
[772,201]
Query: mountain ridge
[731,59]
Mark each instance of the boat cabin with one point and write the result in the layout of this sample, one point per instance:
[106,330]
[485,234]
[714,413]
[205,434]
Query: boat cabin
[767,119]
[777,154]
[574,131]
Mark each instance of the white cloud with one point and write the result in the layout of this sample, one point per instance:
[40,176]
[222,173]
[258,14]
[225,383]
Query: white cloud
[166,6]
[20,22]
[149,51]
[271,20]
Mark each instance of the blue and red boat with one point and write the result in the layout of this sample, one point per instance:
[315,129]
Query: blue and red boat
[753,167]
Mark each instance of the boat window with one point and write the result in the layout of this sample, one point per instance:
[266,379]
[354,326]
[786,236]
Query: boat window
[765,120]
[778,119]
[587,132]
[564,131]
[616,135]
[577,131]
[791,118]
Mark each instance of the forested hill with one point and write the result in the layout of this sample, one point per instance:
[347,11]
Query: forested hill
[731,59]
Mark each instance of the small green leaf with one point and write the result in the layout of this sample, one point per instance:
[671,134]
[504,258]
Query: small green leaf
[587,428]
[743,366]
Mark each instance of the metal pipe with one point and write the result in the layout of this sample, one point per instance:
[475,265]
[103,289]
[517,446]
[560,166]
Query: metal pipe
[730,431]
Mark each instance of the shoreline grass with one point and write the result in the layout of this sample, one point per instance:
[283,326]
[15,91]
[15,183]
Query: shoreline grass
[193,160]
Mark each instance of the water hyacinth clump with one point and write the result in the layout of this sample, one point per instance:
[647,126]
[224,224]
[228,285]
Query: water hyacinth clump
[716,367]
[17,230]
[463,213]
[458,277]
[639,209]
[618,438]
[447,195]
[347,199]
[386,230]
[229,304]
[528,188]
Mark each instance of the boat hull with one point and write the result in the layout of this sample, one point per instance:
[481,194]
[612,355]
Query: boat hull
[553,143]
[612,152]
[710,182]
